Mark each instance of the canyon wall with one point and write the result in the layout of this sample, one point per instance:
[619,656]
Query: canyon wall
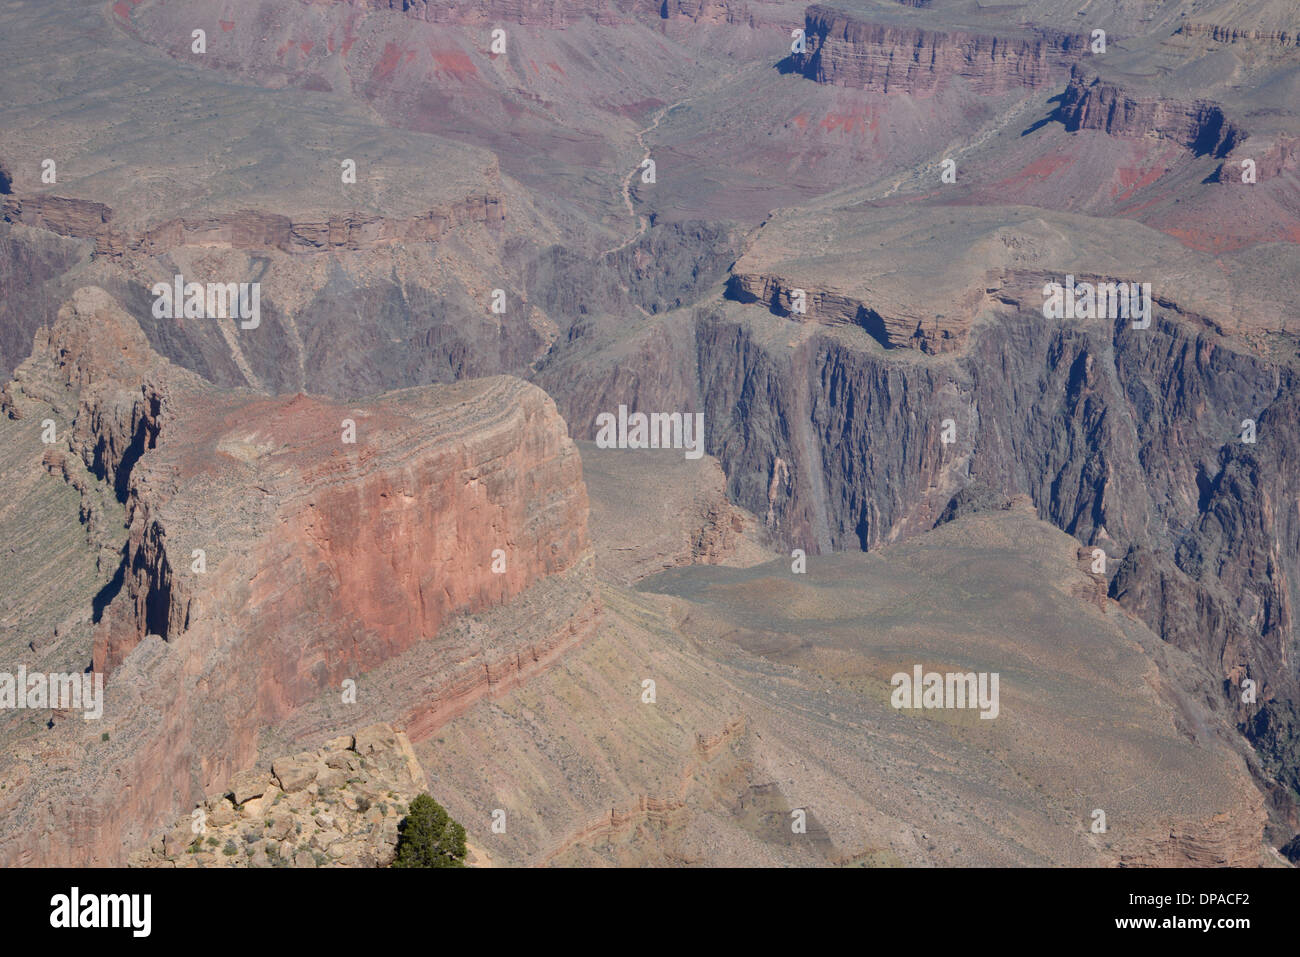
[248,229]
[1090,103]
[562,13]
[268,560]
[531,13]
[887,58]
[1222,33]
[1129,440]
[828,307]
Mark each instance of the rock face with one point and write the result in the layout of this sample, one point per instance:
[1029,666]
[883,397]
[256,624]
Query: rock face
[1091,103]
[1222,33]
[830,307]
[723,11]
[562,13]
[530,13]
[268,558]
[1271,159]
[246,230]
[888,58]
[1092,422]
[336,806]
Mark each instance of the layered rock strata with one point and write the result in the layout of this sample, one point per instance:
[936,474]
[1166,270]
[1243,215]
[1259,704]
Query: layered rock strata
[899,58]
[277,548]
[248,229]
[1091,103]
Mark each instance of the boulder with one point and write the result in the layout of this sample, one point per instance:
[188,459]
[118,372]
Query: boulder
[249,784]
[297,772]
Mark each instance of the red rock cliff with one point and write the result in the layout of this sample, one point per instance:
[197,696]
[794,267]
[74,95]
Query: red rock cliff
[1090,103]
[323,560]
[882,58]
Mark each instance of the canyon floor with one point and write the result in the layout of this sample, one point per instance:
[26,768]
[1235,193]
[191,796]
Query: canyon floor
[335,336]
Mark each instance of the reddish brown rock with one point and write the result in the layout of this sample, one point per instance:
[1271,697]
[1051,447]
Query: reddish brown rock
[1091,103]
[899,58]
[322,560]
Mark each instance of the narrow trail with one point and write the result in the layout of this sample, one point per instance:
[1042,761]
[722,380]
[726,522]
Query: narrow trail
[643,222]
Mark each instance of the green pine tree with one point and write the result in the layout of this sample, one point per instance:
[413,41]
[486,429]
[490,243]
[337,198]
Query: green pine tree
[428,837]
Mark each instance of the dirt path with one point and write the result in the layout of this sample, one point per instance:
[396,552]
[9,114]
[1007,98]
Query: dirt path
[643,222]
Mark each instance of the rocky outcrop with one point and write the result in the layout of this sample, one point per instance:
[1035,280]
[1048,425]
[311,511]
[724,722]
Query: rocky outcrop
[248,229]
[270,558]
[683,518]
[718,11]
[889,58]
[1222,33]
[829,307]
[1226,840]
[1271,159]
[1091,103]
[336,806]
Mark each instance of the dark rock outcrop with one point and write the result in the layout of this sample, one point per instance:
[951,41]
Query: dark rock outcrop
[889,58]
[1091,103]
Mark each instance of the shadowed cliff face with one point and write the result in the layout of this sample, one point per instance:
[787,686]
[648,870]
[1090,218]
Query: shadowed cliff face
[1128,440]
[897,58]
[1199,125]
[277,547]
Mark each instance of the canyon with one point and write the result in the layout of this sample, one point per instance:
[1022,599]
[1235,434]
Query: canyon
[386,506]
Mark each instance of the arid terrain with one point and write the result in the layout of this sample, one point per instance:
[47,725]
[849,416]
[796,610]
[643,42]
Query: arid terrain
[605,415]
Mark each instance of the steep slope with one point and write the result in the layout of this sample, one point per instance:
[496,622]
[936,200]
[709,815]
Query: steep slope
[772,695]
[275,549]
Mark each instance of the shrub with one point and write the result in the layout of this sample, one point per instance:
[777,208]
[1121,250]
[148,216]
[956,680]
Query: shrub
[428,837]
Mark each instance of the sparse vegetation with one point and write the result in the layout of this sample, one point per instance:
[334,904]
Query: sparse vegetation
[428,837]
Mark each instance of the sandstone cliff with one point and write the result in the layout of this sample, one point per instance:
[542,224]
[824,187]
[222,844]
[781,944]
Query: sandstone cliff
[1091,103]
[894,329]
[899,58]
[267,560]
